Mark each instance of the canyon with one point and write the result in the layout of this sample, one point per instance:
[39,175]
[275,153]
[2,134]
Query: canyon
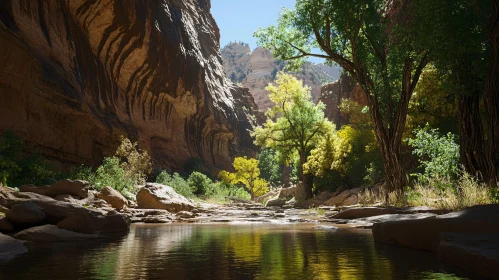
[256,69]
[78,74]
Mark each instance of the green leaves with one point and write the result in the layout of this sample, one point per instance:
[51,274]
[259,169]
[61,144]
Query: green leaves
[248,174]
[439,154]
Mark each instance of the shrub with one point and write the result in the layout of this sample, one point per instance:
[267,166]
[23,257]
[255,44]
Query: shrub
[10,148]
[35,169]
[438,154]
[223,192]
[199,183]
[110,173]
[135,162]
[175,181]
[468,191]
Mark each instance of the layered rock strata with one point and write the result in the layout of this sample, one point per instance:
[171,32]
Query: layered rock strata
[75,75]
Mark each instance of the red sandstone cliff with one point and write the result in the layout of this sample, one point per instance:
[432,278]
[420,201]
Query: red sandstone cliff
[76,74]
[332,94]
[256,69]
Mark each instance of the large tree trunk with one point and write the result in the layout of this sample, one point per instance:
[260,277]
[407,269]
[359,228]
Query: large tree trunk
[492,99]
[307,179]
[472,150]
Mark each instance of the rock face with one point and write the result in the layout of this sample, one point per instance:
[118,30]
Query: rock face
[10,248]
[333,93]
[51,233]
[112,197]
[77,74]
[256,69]
[157,196]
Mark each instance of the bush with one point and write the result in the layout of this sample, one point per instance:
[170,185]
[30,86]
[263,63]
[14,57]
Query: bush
[199,183]
[175,181]
[10,149]
[135,162]
[438,155]
[223,192]
[110,173]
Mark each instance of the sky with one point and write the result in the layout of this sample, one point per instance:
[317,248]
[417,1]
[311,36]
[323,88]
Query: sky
[238,19]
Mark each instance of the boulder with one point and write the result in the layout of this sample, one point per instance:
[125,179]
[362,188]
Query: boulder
[157,196]
[185,215]
[5,225]
[112,197]
[276,202]
[25,213]
[425,233]
[353,199]
[262,198]
[68,198]
[75,188]
[3,209]
[478,253]
[339,199]
[10,248]
[96,223]
[287,193]
[51,233]
[75,217]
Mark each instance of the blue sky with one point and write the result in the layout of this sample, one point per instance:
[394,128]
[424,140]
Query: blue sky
[238,20]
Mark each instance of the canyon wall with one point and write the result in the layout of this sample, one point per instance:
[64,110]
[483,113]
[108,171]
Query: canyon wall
[256,69]
[333,93]
[77,74]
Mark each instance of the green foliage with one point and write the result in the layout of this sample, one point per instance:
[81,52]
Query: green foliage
[270,167]
[10,149]
[439,154]
[177,182]
[110,173]
[135,162]
[295,125]
[34,170]
[248,174]
[18,169]
[199,183]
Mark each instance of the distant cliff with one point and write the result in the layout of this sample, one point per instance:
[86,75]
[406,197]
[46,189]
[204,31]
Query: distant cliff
[333,93]
[256,69]
[74,75]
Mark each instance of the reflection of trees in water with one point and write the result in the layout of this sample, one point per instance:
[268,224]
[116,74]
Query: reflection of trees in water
[183,251]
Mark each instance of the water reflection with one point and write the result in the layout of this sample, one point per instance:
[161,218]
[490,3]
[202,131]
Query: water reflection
[223,251]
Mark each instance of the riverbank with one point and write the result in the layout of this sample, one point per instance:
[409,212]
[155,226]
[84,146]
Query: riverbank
[70,211]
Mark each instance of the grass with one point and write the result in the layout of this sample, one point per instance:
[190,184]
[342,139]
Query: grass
[441,193]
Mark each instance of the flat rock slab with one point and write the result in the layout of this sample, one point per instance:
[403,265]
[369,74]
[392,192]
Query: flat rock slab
[51,233]
[10,248]
[364,212]
[478,253]
[425,233]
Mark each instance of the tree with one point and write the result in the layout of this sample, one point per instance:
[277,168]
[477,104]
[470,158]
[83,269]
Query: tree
[294,125]
[270,167]
[463,36]
[135,162]
[248,174]
[373,41]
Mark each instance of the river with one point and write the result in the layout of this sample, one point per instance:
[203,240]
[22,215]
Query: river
[229,251]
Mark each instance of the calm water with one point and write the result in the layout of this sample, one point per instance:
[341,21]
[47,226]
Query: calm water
[229,251]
